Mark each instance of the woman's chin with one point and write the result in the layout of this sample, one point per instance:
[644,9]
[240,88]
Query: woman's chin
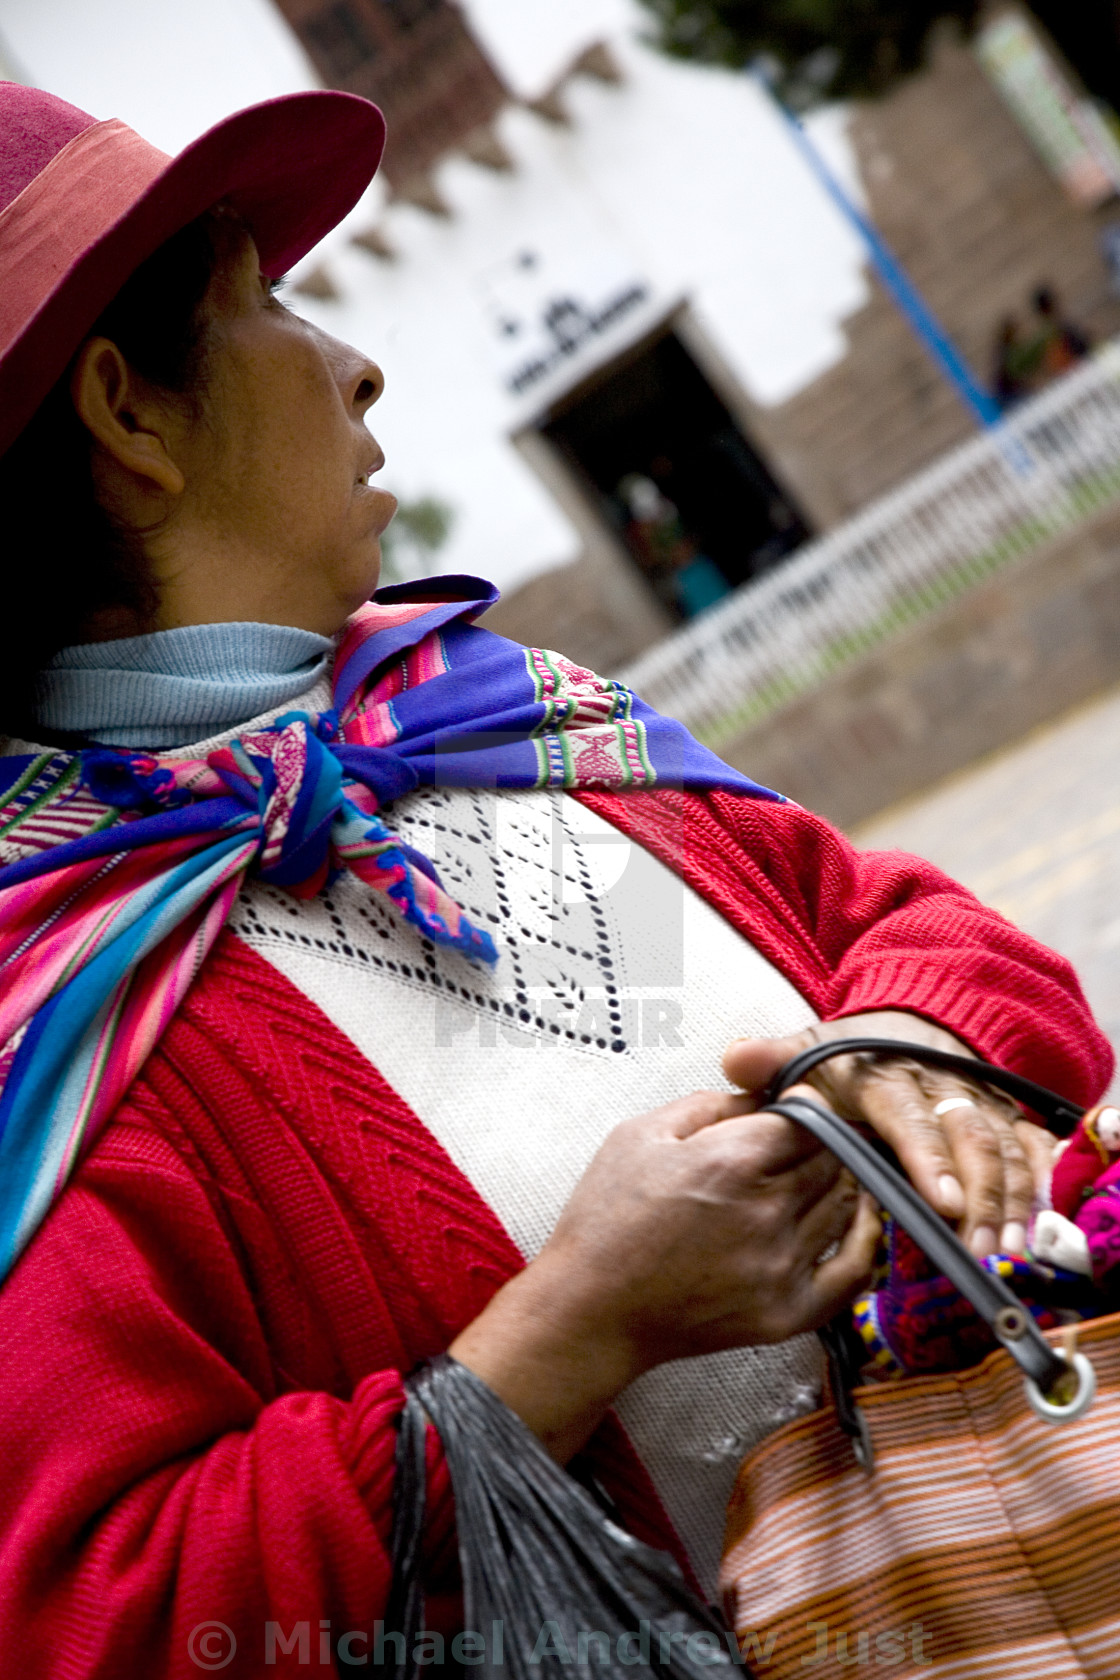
[366,574]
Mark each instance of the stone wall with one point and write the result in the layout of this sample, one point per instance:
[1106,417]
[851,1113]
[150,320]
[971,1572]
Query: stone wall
[964,201]
[1040,638]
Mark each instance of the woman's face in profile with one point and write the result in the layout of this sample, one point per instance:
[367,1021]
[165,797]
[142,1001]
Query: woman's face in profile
[277,467]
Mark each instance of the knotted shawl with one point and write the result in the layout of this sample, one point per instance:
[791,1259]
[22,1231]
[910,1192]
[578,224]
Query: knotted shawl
[119,869]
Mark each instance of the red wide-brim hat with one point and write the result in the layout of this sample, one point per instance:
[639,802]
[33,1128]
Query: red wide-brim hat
[83,203]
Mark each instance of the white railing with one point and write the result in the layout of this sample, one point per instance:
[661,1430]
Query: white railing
[1051,464]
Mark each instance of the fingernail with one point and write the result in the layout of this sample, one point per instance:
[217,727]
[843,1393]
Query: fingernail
[952,1196]
[1014,1238]
[984,1242]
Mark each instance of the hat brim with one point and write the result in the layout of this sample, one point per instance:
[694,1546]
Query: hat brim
[292,167]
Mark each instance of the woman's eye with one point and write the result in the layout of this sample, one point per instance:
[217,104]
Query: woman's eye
[277,283]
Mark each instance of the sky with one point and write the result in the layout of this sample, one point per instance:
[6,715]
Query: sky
[529,38]
[168,68]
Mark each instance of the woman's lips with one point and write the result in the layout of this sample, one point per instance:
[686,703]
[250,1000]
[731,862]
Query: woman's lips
[388,503]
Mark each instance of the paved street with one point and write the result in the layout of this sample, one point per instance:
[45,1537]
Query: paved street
[1035,831]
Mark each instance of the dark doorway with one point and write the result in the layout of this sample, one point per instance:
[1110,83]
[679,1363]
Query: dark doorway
[695,505]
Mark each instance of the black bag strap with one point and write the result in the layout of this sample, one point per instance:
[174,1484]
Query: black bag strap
[996,1304]
[1060,1114]
[1046,1370]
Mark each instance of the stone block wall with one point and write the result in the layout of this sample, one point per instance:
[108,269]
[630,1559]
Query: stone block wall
[1039,638]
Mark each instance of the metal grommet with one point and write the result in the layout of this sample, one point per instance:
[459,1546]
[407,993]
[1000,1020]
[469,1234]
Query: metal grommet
[1073,1409]
[1010,1324]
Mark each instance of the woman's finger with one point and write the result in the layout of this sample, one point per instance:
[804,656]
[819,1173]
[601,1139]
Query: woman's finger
[1018,1186]
[973,1110]
[997,1178]
[770,1143]
[692,1113]
[776,1169]
[752,1062]
[1039,1148]
[964,1160]
[892,1101]
[825,1222]
[837,1282]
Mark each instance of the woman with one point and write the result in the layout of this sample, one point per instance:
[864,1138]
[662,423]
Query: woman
[275,1125]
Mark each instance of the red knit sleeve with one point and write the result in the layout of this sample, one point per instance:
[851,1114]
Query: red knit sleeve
[155,1489]
[857,931]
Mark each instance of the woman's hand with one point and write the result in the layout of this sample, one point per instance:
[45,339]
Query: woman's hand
[979,1164]
[695,1228]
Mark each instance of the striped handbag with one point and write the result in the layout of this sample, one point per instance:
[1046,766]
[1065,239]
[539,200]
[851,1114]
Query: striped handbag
[939,1526]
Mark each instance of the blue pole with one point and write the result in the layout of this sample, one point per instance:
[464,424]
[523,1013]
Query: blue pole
[891,272]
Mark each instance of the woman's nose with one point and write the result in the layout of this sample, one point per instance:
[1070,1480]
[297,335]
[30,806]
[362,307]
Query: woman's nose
[359,379]
[366,383]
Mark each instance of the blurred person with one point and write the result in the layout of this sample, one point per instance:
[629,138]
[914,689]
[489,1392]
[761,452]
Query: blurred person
[670,558]
[243,1193]
[1009,380]
[1056,345]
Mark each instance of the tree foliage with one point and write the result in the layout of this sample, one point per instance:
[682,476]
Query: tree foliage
[819,49]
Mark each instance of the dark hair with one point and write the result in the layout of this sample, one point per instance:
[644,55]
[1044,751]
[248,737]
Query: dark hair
[66,560]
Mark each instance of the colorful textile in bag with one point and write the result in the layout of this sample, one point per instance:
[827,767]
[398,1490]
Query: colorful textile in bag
[118,870]
[985,1545]
[916,1322]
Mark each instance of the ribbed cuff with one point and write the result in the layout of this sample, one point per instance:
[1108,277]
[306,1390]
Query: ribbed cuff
[370,1448]
[370,1443]
[996,1026]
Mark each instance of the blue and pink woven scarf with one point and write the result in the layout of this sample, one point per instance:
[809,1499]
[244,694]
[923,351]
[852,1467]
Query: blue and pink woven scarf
[118,869]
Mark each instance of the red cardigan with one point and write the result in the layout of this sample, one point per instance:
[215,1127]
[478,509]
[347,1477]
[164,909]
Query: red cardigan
[201,1352]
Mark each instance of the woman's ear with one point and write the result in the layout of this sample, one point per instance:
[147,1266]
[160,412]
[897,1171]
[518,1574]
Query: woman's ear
[131,426]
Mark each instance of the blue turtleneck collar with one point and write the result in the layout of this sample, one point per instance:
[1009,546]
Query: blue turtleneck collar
[173,687]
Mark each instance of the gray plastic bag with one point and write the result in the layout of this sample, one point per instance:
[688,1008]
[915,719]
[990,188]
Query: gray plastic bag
[551,1584]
